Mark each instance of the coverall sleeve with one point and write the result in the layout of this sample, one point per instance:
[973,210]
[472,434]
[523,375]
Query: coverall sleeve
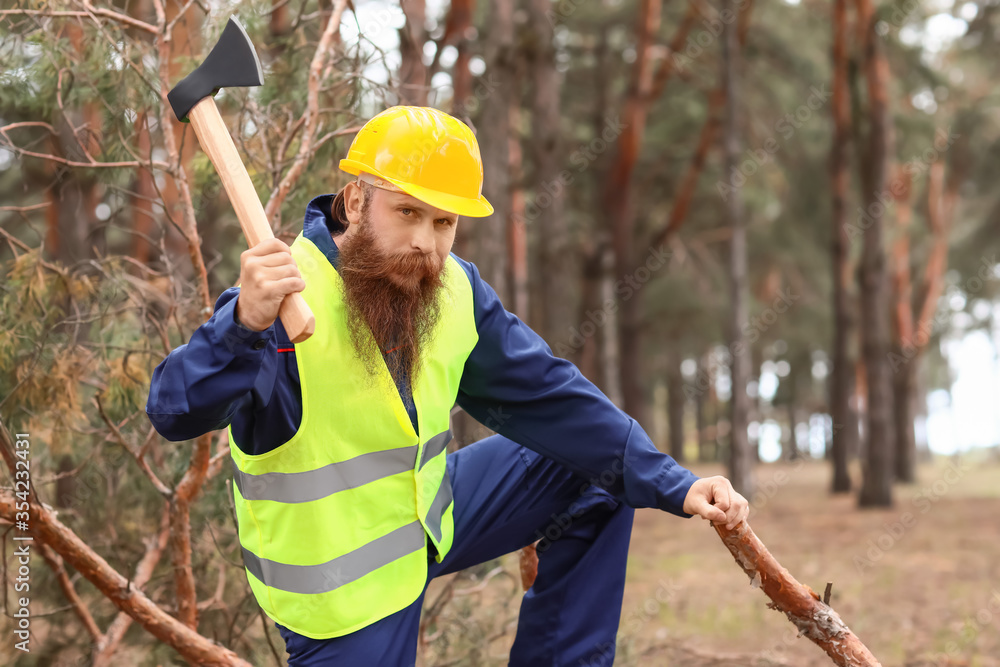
[199,386]
[514,385]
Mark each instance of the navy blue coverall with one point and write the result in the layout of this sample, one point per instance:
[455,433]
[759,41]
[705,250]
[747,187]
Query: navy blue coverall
[567,467]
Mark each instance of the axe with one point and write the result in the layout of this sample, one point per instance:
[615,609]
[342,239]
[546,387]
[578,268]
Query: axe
[233,62]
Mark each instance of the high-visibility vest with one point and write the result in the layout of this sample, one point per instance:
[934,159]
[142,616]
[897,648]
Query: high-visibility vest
[333,523]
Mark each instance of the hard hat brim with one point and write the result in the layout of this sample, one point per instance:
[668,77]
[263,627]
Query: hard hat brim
[472,208]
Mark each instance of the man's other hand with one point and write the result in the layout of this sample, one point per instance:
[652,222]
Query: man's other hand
[715,499]
[267,274]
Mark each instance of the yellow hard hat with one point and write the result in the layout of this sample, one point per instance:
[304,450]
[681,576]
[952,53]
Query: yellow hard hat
[425,153]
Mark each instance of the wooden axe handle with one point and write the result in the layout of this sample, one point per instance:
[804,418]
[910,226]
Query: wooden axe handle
[218,145]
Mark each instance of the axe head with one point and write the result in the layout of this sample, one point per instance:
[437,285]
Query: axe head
[232,63]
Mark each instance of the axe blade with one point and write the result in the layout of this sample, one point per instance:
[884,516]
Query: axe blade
[233,63]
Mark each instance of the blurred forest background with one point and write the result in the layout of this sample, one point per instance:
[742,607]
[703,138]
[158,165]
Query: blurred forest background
[765,228]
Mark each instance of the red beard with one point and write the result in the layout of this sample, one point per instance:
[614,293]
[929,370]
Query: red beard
[393,297]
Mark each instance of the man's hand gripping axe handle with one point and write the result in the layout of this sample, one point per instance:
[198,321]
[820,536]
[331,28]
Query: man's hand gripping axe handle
[233,62]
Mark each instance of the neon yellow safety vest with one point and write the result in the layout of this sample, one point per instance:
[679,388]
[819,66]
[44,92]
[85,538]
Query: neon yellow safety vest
[333,522]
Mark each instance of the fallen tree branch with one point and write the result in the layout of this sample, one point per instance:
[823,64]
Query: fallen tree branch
[46,528]
[798,602]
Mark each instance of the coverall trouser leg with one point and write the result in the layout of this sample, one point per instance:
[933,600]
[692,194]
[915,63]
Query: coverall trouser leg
[507,497]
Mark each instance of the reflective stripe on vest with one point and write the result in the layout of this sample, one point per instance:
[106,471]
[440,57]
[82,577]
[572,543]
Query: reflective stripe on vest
[302,487]
[442,499]
[325,577]
[434,447]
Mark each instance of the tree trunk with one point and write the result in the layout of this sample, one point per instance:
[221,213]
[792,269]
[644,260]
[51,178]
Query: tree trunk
[412,37]
[740,456]
[706,447]
[517,233]
[72,202]
[876,489]
[587,356]
[608,340]
[460,23]
[902,364]
[845,421]
[924,454]
[794,415]
[494,139]
[594,247]
[279,25]
[556,260]
[675,408]
[72,221]
[904,386]
[755,404]
[143,194]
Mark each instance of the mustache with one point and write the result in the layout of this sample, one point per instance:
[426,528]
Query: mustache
[374,265]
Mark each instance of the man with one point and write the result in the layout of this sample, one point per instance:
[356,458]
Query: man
[347,502]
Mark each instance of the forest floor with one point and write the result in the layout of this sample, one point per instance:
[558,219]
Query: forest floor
[919,583]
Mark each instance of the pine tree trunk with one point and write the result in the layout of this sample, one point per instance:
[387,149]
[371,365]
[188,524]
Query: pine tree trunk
[463,100]
[794,414]
[74,232]
[494,139]
[740,456]
[587,356]
[280,23]
[143,193]
[675,408]
[517,233]
[845,421]
[621,209]
[412,71]
[610,345]
[903,365]
[755,404]
[701,396]
[904,387]
[876,489]
[557,260]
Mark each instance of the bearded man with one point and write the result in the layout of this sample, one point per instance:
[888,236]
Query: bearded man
[347,500]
